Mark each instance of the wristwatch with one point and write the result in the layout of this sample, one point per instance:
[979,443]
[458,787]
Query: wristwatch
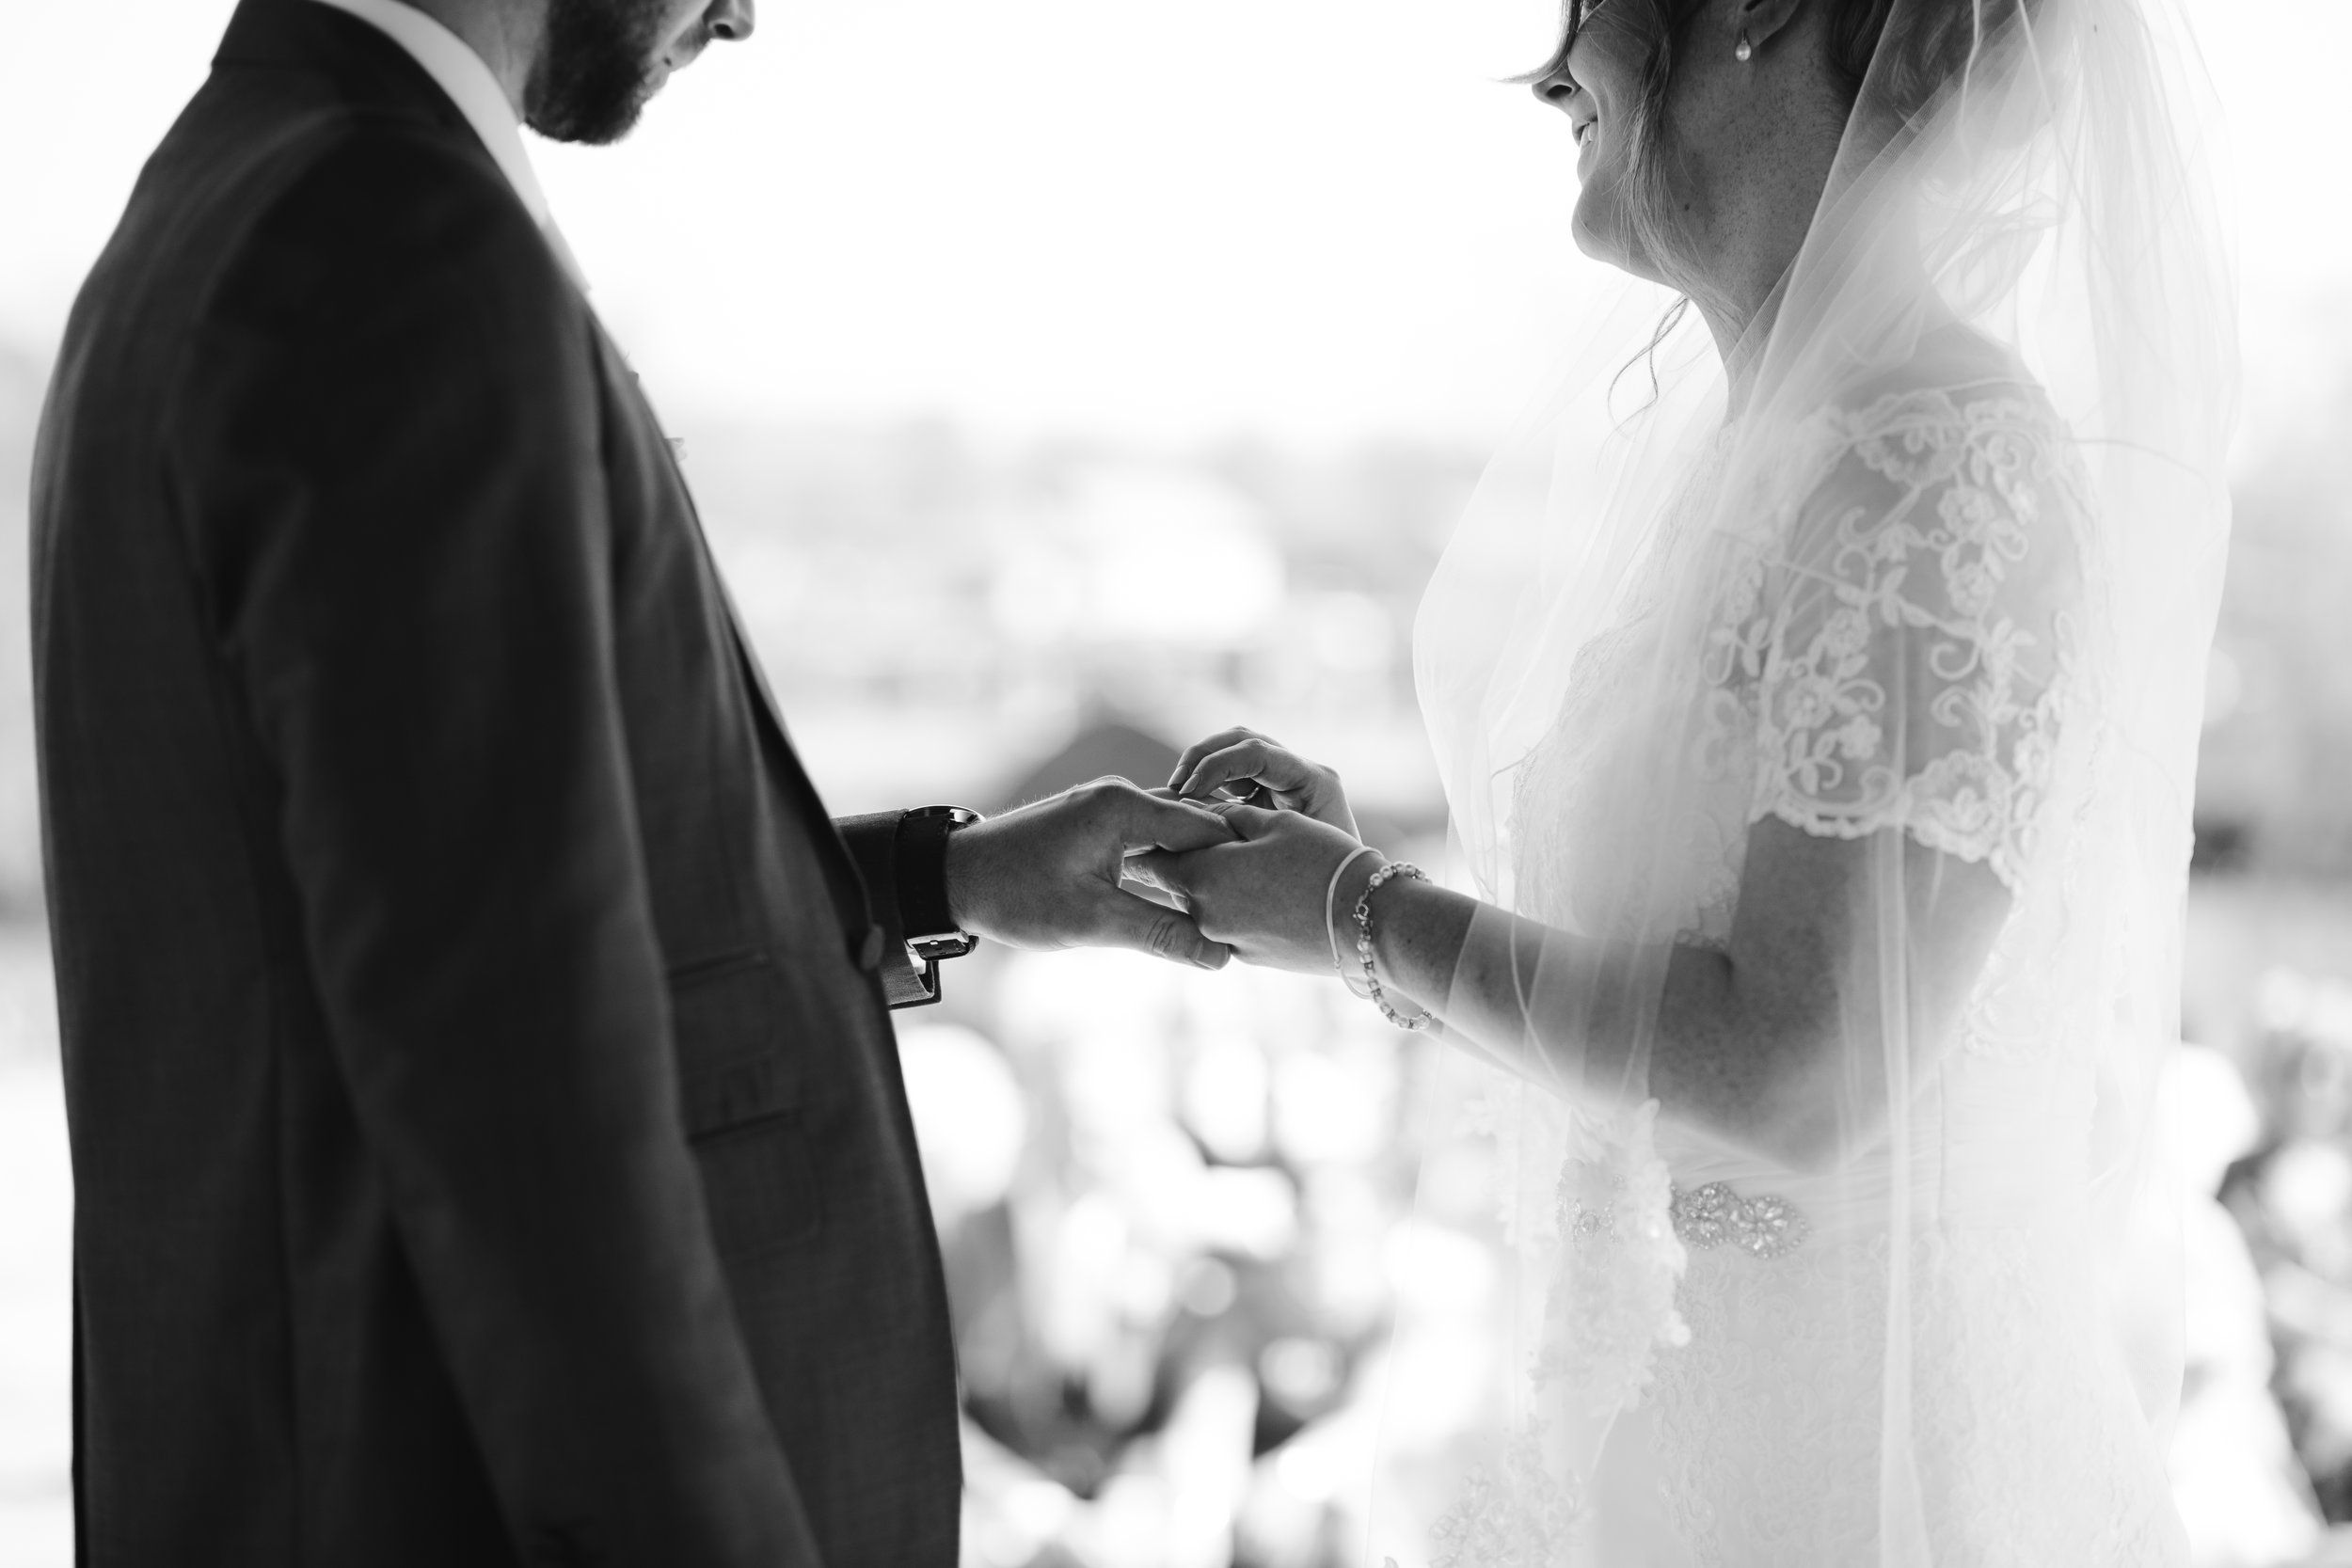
[932,932]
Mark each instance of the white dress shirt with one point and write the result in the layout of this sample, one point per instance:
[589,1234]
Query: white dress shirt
[460,72]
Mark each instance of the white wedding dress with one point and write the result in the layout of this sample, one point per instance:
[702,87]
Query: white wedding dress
[1958,516]
[1939,587]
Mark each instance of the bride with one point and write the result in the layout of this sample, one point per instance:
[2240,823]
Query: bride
[1818,720]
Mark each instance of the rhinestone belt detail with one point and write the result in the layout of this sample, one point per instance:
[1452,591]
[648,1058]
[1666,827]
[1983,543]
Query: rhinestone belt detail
[1765,1226]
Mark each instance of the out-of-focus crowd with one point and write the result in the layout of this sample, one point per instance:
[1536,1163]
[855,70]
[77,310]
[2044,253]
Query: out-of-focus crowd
[1180,1223]
[2291,1193]
[1167,1210]
[2263,1457]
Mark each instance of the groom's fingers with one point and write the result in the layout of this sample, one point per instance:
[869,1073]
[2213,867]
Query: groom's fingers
[1123,920]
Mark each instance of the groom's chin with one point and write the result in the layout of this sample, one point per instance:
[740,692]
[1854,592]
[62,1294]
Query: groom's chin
[592,89]
[593,121]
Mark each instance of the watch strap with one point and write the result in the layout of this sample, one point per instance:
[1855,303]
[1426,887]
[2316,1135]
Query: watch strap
[908,978]
[928,923]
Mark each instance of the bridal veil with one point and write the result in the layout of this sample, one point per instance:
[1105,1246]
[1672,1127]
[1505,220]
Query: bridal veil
[1938,583]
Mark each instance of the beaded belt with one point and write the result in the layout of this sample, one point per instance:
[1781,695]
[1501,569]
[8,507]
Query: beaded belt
[1767,1226]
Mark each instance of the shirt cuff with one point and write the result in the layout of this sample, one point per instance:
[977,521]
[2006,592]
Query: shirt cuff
[901,856]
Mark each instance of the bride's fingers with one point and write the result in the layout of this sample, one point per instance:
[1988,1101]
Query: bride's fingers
[1203,748]
[1256,759]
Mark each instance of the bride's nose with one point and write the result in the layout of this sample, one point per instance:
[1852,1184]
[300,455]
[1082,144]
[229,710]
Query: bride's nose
[1556,89]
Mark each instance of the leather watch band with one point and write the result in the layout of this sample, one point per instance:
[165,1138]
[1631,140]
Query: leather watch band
[928,923]
[905,876]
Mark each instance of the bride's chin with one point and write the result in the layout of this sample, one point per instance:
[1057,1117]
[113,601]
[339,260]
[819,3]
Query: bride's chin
[1602,236]
[1594,240]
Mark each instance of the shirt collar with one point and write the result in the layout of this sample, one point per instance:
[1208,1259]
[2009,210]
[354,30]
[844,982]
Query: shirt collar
[460,72]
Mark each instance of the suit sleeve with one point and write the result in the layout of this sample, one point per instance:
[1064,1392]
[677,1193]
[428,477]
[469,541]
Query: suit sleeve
[387,449]
[872,840]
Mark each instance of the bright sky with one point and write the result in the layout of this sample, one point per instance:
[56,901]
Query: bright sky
[1315,217]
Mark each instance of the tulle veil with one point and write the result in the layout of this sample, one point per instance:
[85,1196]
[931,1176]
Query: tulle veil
[1938,583]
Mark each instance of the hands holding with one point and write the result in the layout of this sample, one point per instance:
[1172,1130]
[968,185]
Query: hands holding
[1245,839]
[1047,875]
[1264,893]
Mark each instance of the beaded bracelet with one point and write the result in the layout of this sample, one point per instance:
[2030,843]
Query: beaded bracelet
[1363,942]
[1330,926]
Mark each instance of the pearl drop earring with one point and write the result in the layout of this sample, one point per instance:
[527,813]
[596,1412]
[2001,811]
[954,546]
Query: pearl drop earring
[1744,50]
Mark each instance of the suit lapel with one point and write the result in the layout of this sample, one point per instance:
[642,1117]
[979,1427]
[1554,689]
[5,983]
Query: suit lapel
[840,868]
[848,886]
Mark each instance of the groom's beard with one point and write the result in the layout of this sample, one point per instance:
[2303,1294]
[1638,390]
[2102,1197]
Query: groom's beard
[596,69]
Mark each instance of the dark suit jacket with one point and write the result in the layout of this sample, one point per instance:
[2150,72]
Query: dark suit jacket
[487,1133]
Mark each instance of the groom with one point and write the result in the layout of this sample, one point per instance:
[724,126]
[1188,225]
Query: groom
[488,1140]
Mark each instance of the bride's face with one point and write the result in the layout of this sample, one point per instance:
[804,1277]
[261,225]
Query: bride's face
[1597,85]
[1707,181]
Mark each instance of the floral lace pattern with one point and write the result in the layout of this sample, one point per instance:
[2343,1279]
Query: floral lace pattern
[1892,643]
[1608,1308]
[1612,1302]
[1896,650]
[1515,1514]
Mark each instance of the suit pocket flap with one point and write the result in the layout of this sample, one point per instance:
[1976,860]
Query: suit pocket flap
[731,1020]
[759,1186]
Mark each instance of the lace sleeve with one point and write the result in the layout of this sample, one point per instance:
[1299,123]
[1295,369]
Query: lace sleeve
[1908,643]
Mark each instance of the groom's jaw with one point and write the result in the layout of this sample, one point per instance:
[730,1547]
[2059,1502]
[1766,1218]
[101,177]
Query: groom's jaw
[600,62]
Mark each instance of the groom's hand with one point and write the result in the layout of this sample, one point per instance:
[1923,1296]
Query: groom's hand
[1047,874]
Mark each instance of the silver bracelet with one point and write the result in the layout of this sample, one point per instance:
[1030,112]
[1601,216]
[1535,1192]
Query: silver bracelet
[1330,925]
[1364,943]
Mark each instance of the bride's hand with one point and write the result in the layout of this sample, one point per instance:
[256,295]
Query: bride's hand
[1263,895]
[1249,766]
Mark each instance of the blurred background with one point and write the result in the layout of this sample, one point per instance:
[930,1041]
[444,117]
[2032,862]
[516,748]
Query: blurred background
[1062,379]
